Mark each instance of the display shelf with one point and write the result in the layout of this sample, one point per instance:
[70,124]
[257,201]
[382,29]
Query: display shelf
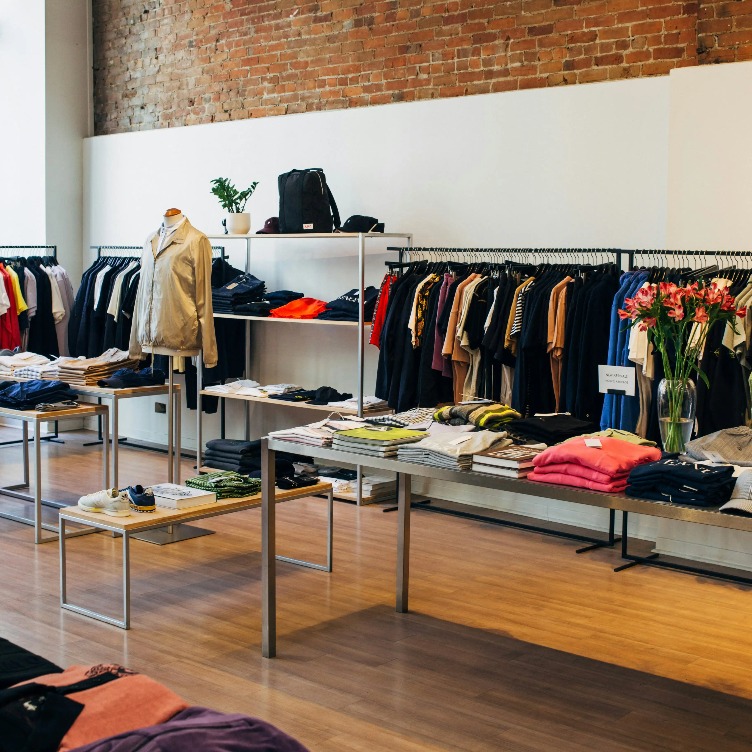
[282,403]
[320,322]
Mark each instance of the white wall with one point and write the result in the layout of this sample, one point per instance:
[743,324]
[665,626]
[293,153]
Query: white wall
[22,125]
[67,117]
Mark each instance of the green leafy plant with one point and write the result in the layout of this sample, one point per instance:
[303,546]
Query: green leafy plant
[231,199]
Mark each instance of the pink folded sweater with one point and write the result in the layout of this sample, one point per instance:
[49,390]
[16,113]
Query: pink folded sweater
[577,482]
[614,457]
[581,472]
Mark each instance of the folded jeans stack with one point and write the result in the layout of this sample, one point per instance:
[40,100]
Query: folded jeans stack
[130,378]
[486,415]
[226,484]
[602,464]
[679,482]
[452,450]
[240,291]
[550,429]
[242,457]
[25,395]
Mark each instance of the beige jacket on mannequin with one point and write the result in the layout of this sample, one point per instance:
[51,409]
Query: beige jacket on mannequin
[173,307]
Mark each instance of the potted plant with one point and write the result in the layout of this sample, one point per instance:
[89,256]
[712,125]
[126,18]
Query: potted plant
[233,201]
[677,321]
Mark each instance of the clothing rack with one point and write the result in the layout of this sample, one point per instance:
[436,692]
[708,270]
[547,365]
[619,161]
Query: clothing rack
[659,257]
[25,251]
[134,251]
[532,255]
[32,251]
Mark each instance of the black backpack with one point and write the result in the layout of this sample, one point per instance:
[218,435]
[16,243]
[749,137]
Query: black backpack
[305,202]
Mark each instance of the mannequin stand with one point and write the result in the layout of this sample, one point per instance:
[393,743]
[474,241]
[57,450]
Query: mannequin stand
[174,533]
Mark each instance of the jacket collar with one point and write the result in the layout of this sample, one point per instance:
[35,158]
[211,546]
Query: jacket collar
[179,237]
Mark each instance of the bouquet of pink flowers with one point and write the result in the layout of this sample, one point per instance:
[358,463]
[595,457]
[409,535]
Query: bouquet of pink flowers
[678,320]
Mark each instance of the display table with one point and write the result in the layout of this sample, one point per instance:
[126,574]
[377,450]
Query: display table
[36,418]
[405,472]
[163,517]
[113,397]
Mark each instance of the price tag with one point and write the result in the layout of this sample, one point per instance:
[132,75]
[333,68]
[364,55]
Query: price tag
[616,379]
[595,443]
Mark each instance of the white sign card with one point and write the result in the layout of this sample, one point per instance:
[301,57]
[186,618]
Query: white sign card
[618,378]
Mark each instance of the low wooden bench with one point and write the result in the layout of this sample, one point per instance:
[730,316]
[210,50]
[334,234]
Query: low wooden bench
[163,517]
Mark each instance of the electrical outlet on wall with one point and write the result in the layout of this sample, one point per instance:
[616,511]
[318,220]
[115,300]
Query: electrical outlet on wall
[160,407]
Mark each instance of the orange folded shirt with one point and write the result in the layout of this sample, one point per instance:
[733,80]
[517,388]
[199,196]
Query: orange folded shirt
[129,702]
[302,308]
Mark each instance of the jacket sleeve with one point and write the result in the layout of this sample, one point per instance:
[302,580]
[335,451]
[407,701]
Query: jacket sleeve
[204,309]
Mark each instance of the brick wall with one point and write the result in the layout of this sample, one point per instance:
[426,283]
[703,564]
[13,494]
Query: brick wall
[160,63]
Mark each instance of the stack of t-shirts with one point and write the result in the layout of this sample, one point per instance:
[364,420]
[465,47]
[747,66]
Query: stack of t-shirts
[680,482]
[346,307]
[732,445]
[11,365]
[88,371]
[488,415]
[242,290]
[241,386]
[370,404]
[227,485]
[375,442]
[242,457]
[602,464]
[741,497]
[25,395]
[550,429]
[320,433]
[452,450]
[302,308]
[50,370]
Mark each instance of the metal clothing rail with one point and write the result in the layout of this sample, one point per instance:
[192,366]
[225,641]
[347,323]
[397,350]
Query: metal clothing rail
[134,251]
[538,254]
[32,248]
[658,257]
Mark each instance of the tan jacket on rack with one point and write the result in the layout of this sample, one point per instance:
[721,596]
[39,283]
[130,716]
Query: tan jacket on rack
[174,304]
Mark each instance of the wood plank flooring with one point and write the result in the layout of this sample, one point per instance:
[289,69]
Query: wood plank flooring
[514,643]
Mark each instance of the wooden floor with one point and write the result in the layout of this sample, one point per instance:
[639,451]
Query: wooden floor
[514,643]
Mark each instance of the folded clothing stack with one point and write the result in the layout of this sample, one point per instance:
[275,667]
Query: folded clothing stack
[451,450]
[618,433]
[370,404]
[242,290]
[321,396]
[11,365]
[25,395]
[49,370]
[741,497]
[550,429]
[346,307]
[487,415]
[243,457]
[680,482]
[417,417]
[375,442]
[302,308]
[88,371]
[271,300]
[320,433]
[130,378]
[226,484]
[602,464]
[732,445]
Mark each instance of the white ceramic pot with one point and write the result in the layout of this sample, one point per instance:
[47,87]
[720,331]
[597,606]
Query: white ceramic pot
[238,223]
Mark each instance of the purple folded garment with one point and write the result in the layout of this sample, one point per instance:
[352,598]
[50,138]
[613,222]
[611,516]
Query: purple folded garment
[201,728]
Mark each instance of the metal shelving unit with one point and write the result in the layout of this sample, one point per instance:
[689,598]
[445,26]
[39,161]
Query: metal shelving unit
[362,239]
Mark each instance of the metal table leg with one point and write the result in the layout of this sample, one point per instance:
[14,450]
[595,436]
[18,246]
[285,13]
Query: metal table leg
[170,420]
[114,417]
[248,376]
[37,482]
[268,549]
[106,450]
[403,540]
[329,530]
[26,452]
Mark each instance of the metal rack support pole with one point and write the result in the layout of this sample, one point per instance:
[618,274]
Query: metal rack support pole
[170,420]
[199,416]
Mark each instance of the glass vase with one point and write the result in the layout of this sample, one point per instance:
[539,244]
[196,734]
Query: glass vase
[677,405]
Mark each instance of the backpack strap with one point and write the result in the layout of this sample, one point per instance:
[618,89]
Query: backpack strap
[333,205]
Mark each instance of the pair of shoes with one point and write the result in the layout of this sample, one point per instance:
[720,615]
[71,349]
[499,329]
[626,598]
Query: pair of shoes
[141,499]
[117,503]
[110,501]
